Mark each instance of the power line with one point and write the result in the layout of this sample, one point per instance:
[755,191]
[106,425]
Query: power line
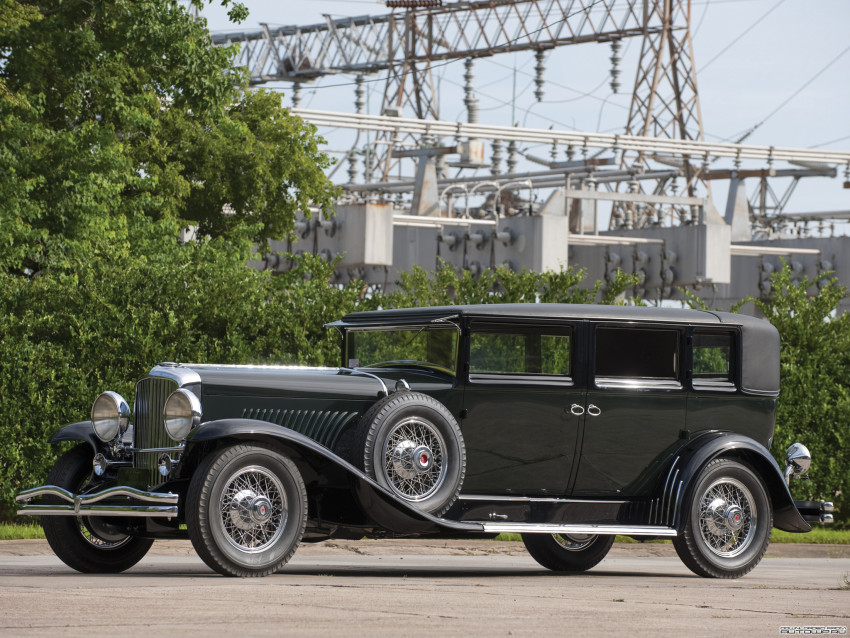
[742,34]
[839,139]
[802,88]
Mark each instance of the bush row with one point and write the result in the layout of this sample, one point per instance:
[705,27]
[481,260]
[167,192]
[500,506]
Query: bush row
[102,323]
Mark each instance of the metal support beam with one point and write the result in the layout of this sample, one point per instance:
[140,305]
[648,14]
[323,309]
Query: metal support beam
[691,148]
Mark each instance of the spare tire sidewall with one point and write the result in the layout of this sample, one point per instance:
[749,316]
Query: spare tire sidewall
[405,411]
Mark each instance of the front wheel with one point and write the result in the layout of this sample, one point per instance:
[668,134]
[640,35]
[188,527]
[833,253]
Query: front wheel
[89,544]
[728,522]
[567,552]
[246,510]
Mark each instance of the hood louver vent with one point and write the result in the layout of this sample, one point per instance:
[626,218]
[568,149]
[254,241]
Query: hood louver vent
[324,427]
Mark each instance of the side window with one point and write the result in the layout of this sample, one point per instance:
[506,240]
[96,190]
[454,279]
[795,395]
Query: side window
[516,351]
[713,361]
[627,357]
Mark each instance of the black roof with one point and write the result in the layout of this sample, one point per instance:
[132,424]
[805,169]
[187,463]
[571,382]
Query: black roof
[547,311]
[760,341]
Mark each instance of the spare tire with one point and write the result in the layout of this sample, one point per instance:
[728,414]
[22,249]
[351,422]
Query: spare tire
[412,445]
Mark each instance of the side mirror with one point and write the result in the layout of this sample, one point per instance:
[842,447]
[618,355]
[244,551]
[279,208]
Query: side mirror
[798,459]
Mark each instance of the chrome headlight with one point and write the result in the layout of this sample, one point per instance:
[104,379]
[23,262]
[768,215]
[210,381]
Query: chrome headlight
[110,416]
[181,413]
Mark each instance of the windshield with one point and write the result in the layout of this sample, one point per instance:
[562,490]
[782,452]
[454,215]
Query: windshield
[409,346]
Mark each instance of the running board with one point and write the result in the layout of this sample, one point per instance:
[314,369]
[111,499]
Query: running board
[606,530]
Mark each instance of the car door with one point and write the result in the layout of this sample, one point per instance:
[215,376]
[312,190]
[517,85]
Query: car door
[636,407]
[522,407]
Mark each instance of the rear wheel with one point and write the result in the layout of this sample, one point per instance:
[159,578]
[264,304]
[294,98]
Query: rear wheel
[89,544]
[246,510]
[568,552]
[728,522]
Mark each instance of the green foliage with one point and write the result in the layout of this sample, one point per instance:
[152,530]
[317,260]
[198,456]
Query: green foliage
[445,287]
[67,335]
[140,297]
[814,402]
[124,108]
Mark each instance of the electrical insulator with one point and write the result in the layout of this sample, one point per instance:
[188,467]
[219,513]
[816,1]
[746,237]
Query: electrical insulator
[539,68]
[469,97]
[615,65]
[413,4]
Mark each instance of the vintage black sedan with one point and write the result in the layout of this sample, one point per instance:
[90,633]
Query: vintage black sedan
[567,424]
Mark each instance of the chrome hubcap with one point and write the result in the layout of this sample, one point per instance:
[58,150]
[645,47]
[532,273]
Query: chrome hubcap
[575,542]
[253,509]
[413,459]
[727,517]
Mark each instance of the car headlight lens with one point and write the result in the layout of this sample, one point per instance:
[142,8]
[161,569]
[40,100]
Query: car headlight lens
[110,416]
[181,413]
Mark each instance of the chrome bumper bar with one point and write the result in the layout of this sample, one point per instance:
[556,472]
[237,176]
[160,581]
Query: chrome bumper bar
[816,511]
[123,501]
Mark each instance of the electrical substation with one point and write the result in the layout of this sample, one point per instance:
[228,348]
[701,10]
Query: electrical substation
[422,190]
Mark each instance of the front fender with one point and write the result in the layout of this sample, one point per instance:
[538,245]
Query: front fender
[80,431]
[711,445]
[378,503]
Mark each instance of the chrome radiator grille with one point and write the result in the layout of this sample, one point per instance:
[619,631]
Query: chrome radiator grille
[148,426]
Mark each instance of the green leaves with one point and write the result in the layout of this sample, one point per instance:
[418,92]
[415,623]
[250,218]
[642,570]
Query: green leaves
[445,287]
[119,108]
[814,402]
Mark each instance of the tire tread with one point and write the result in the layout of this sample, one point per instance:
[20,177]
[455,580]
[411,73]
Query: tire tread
[687,543]
[198,500]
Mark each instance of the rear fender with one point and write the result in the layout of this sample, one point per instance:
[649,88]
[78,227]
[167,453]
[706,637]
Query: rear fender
[712,445]
[378,503]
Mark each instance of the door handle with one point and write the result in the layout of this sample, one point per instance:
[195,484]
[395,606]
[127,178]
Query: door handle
[576,409]
[592,410]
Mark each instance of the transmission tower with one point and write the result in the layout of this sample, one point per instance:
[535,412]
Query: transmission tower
[665,101]
[408,42]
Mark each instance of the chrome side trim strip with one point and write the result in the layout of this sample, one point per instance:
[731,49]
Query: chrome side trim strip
[368,374]
[674,521]
[532,499]
[608,530]
[664,494]
[149,511]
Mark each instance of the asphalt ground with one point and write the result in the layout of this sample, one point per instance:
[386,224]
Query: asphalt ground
[412,588]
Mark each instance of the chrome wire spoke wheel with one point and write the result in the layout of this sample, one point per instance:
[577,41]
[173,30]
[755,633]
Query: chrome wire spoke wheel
[252,509]
[414,458]
[727,517]
[98,538]
[574,542]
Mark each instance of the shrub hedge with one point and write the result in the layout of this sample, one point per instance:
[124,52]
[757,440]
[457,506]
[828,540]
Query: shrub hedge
[102,323]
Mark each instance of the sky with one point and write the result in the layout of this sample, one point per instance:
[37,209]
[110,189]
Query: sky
[783,65]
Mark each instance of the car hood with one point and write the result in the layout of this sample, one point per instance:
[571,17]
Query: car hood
[298,381]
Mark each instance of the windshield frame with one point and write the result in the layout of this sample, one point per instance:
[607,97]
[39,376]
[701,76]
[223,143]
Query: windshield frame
[404,363]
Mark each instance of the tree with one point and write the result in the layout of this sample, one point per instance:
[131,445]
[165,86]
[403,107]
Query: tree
[814,386]
[445,287]
[814,401]
[117,110]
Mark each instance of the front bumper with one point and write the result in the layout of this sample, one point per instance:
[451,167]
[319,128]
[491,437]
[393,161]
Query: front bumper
[114,501]
[815,511]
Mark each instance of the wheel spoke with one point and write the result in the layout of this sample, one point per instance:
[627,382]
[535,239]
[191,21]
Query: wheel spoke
[252,509]
[726,517]
[407,475]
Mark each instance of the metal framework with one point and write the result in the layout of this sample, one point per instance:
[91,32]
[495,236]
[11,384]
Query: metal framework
[578,140]
[368,44]
[407,44]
